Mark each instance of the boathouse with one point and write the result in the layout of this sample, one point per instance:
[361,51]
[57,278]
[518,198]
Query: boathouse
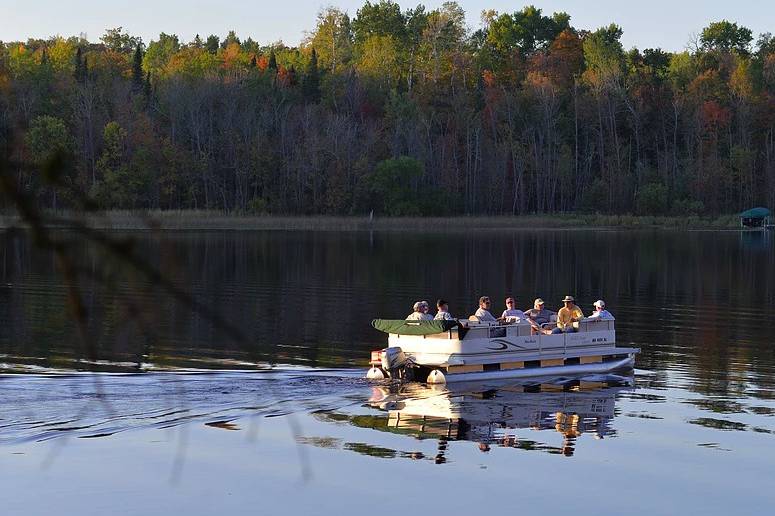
[755,218]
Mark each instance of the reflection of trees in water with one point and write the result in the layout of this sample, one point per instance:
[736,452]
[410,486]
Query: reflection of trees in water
[381,452]
[80,261]
[694,301]
[318,289]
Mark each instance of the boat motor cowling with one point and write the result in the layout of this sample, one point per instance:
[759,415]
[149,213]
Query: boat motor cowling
[393,358]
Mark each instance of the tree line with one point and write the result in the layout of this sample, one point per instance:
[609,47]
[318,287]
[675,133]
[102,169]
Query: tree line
[403,112]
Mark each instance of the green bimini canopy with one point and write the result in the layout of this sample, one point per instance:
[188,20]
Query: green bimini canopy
[403,327]
[755,213]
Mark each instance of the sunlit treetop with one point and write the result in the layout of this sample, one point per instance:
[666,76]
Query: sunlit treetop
[726,36]
[119,40]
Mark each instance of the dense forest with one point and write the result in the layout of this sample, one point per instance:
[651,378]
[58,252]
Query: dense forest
[401,112]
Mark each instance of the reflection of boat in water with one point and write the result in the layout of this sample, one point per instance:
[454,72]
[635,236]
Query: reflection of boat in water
[446,351]
[493,415]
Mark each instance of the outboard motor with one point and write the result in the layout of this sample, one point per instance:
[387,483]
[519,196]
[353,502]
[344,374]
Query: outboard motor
[396,362]
[393,358]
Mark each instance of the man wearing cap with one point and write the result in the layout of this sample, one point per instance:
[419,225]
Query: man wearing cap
[538,315]
[568,317]
[600,312]
[483,312]
[512,314]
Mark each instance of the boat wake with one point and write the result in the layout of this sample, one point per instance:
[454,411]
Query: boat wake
[50,406]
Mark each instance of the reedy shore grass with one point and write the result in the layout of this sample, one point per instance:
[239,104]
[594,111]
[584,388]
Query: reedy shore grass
[197,220]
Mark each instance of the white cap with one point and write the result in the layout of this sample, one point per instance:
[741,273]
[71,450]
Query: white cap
[599,303]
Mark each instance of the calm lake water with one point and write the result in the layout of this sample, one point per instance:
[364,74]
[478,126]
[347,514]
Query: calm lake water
[267,412]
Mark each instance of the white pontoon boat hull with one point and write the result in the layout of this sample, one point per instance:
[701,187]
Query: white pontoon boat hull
[603,367]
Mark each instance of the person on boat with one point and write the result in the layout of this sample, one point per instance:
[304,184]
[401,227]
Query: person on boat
[483,312]
[600,312]
[538,316]
[512,314]
[442,313]
[420,312]
[568,317]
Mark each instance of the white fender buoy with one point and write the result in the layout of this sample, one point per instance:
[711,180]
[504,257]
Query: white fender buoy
[436,376]
[375,373]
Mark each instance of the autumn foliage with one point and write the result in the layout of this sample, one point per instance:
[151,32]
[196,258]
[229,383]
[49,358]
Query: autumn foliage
[527,113]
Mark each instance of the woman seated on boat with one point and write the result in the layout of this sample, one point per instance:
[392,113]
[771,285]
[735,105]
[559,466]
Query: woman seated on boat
[420,312]
[442,313]
[483,312]
[512,314]
[568,317]
[600,312]
[539,317]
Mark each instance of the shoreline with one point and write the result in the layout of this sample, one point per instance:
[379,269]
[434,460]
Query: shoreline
[191,220]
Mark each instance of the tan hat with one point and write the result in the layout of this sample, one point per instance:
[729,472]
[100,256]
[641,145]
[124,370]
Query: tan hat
[568,298]
[538,301]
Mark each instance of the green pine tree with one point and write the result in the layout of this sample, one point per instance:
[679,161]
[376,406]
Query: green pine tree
[230,38]
[310,86]
[212,43]
[80,67]
[137,69]
[147,90]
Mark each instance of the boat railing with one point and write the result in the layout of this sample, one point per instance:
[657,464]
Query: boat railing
[481,329]
[588,324]
[596,325]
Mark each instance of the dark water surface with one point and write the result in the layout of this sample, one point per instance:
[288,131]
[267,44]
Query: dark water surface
[181,417]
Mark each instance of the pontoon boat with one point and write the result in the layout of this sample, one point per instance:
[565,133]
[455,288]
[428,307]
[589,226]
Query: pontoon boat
[448,351]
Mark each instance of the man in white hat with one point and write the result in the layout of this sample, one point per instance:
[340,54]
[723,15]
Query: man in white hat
[568,317]
[600,312]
